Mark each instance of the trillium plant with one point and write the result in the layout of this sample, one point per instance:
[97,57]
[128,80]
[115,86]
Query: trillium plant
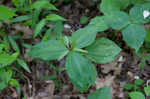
[80,51]
[130,24]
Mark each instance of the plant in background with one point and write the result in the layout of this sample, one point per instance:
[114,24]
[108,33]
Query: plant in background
[7,58]
[36,9]
[135,92]
[10,62]
[131,25]
[144,55]
[6,69]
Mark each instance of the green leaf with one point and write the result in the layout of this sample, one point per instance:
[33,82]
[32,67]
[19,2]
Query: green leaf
[16,2]
[102,93]
[138,82]
[55,17]
[6,59]
[6,13]
[136,95]
[137,1]
[128,87]
[14,44]
[147,90]
[15,83]
[117,20]
[35,17]
[147,36]
[84,36]
[57,31]
[23,64]
[19,3]
[146,6]
[49,50]
[80,71]
[97,51]
[39,27]
[5,78]
[108,6]
[47,35]
[44,4]
[84,20]
[134,36]
[99,22]
[21,18]
[2,85]
[124,4]
[1,48]
[142,64]
[136,13]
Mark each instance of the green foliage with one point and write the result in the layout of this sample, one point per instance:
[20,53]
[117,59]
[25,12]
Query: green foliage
[57,31]
[143,57]
[147,36]
[23,64]
[136,13]
[79,66]
[49,50]
[6,59]
[147,90]
[14,44]
[97,51]
[136,95]
[16,2]
[30,14]
[117,20]
[15,83]
[133,33]
[54,17]
[135,91]
[84,36]
[5,77]
[43,4]
[108,6]
[39,27]
[22,18]
[138,82]
[99,22]
[134,36]
[6,13]
[84,20]
[102,93]
[128,87]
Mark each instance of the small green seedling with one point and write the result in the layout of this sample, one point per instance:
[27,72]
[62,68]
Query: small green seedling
[135,91]
[84,20]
